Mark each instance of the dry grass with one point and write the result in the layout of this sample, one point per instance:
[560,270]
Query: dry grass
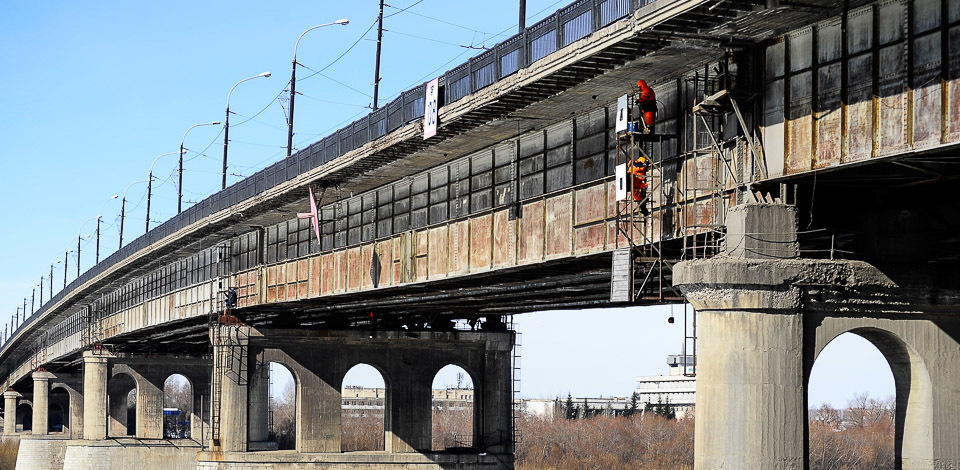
[8,453]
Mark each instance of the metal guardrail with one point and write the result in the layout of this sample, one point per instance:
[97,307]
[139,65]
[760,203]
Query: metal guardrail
[566,25]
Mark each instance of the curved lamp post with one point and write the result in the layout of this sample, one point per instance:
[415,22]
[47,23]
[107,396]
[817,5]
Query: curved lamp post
[226,126]
[100,216]
[293,80]
[150,184]
[123,209]
[180,171]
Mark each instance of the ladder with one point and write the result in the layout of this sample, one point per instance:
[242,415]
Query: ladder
[515,380]
[230,357]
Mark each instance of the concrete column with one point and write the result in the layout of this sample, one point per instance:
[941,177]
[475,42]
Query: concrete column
[259,403]
[10,412]
[494,406]
[94,396]
[231,364]
[41,402]
[149,409]
[408,419]
[200,414]
[118,414]
[750,381]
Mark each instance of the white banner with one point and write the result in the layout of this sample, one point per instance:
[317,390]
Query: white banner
[621,178]
[430,104]
[622,113]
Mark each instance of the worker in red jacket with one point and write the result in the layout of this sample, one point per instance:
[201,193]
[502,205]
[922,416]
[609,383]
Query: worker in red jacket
[647,99]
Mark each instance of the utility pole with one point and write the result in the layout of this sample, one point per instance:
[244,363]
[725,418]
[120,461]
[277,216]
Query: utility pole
[523,15]
[376,68]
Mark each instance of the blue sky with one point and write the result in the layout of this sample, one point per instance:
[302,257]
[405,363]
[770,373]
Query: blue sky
[92,92]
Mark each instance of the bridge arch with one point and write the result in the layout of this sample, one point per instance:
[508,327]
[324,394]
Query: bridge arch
[913,417]
[178,416]
[122,394]
[365,407]
[61,402]
[24,416]
[454,407]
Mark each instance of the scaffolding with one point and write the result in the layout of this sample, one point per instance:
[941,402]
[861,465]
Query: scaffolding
[716,162]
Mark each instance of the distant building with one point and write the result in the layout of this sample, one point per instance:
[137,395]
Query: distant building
[550,407]
[676,388]
[362,400]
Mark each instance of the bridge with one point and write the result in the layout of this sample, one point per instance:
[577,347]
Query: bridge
[799,186]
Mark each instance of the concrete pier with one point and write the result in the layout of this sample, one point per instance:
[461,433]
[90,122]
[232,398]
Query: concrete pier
[764,316]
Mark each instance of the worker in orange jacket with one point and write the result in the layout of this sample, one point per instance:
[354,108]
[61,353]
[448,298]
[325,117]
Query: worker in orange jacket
[647,99]
[638,171]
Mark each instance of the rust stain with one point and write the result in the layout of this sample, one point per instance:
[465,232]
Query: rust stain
[589,239]
[326,274]
[315,272]
[366,255]
[503,247]
[590,204]
[559,225]
[271,294]
[860,129]
[422,243]
[386,260]
[481,231]
[354,269]
[302,272]
[438,256]
[927,115]
[531,232]
[800,144]
[892,122]
[828,139]
[953,110]
[460,250]
[271,276]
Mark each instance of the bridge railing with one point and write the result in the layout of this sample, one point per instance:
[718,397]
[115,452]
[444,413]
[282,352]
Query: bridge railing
[566,25]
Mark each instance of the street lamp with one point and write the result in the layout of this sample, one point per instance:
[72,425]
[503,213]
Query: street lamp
[182,151]
[293,81]
[100,216]
[123,209]
[150,184]
[226,126]
[65,254]
[51,277]
[81,237]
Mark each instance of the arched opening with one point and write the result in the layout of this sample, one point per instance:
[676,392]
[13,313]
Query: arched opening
[847,426]
[24,417]
[282,411]
[177,407]
[364,405]
[452,408]
[58,417]
[122,406]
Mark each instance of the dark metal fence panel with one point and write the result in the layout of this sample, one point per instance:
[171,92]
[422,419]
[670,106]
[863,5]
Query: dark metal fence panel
[576,21]
[484,69]
[395,114]
[542,38]
[613,10]
[458,83]
[413,104]
[345,136]
[378,123]
[510,55]
[293,168]
[316,155]
[361,134]
[331,148]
